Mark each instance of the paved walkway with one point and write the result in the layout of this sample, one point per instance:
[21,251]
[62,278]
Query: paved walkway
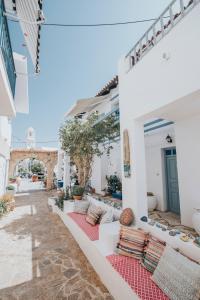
[39,259]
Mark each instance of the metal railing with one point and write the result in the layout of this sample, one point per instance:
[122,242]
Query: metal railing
[6,48]
[114,113]
[176,10]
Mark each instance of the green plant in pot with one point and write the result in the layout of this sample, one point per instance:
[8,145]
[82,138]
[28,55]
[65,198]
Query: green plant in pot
[77,192]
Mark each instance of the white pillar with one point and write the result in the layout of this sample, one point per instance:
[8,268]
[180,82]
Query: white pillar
[66,175]
[134,187]
[60,165]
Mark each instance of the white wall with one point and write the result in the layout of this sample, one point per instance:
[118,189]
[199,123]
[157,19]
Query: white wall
[5,137]
[155,143]
[188,160]
[21,88]
[154,81]
[106,165]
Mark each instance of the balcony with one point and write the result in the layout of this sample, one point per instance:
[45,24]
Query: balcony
[6,49]
[175,12]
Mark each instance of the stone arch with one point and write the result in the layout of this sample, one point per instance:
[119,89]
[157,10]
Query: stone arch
[48,157]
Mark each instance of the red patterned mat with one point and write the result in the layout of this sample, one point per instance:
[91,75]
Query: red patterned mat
[137,277]
[91,231]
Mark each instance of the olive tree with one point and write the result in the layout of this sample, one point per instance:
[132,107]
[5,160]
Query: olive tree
[83,139]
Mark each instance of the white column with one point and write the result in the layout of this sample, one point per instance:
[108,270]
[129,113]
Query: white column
[66,175]
[60,165]
[134,187]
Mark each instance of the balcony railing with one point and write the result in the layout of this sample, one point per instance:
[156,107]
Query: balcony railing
[176,11]
[114,113]
[6,49]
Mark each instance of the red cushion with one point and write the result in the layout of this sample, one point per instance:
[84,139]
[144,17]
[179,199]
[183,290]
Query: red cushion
[137,277]
[91,231]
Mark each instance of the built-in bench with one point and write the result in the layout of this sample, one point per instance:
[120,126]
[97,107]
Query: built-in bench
[137,277]
[124,277]
[91,231]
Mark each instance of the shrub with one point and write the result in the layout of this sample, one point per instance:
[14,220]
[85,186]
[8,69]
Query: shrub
[3,207]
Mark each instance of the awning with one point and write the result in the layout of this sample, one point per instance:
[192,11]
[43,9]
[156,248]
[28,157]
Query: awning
[29,13]
[84,105]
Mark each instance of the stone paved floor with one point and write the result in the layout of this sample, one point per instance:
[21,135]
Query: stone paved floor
[39,259]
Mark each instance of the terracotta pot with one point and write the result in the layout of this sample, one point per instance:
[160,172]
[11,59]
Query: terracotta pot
[77,197]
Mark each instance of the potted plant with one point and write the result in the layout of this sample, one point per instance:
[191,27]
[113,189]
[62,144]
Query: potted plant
[10,189]
[77,192]
[114,186]
[12,179]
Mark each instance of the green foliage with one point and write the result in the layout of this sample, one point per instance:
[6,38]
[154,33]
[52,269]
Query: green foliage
[114,184]
[77,190]
[10,188]
[3,207]
[37,167]
[82,139]
[60,202]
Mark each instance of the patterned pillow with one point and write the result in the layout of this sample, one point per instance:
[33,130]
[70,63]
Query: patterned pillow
[153,253]
[132,242]
[93,214]
[107,217]
[81,207]
[177,276]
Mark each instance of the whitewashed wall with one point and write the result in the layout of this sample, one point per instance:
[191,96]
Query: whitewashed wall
[188,160]
[106,165]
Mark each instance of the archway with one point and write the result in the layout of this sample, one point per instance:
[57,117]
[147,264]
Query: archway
[48,157]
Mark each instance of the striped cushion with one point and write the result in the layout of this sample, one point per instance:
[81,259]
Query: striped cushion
[153,253]
[93,214]
[81,207]
[132,242]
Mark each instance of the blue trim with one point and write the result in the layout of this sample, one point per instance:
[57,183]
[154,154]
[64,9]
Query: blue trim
[6,48]
[159,126]
[153,122]
[114,97]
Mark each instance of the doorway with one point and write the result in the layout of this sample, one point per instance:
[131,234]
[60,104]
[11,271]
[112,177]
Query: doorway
[172,188]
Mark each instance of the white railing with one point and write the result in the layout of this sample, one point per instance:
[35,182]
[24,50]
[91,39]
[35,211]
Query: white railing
[176,10]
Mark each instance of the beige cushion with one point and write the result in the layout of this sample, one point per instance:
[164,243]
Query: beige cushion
[93,214]
[81,207]
[177,276]
[107,217]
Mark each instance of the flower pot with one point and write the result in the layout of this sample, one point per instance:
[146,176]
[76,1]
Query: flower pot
[76,197]
[196,220]
[152,202]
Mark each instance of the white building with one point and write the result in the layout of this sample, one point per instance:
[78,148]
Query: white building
[160,98]
[106,102]
[13,71]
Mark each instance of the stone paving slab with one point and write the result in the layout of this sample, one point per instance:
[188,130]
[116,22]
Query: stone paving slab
[39,258]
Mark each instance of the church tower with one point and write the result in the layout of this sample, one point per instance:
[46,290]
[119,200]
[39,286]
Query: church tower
[30,138]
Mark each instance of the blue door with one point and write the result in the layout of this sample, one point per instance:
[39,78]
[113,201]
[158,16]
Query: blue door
[172,181]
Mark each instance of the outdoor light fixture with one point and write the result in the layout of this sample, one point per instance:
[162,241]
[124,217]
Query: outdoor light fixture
[169,139]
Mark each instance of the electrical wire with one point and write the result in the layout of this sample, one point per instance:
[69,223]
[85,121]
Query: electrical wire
[99,24]
[93,25]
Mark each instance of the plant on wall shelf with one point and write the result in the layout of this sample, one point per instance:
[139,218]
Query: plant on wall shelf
[82,140]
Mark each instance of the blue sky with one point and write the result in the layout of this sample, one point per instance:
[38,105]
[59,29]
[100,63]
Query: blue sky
[77,62]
